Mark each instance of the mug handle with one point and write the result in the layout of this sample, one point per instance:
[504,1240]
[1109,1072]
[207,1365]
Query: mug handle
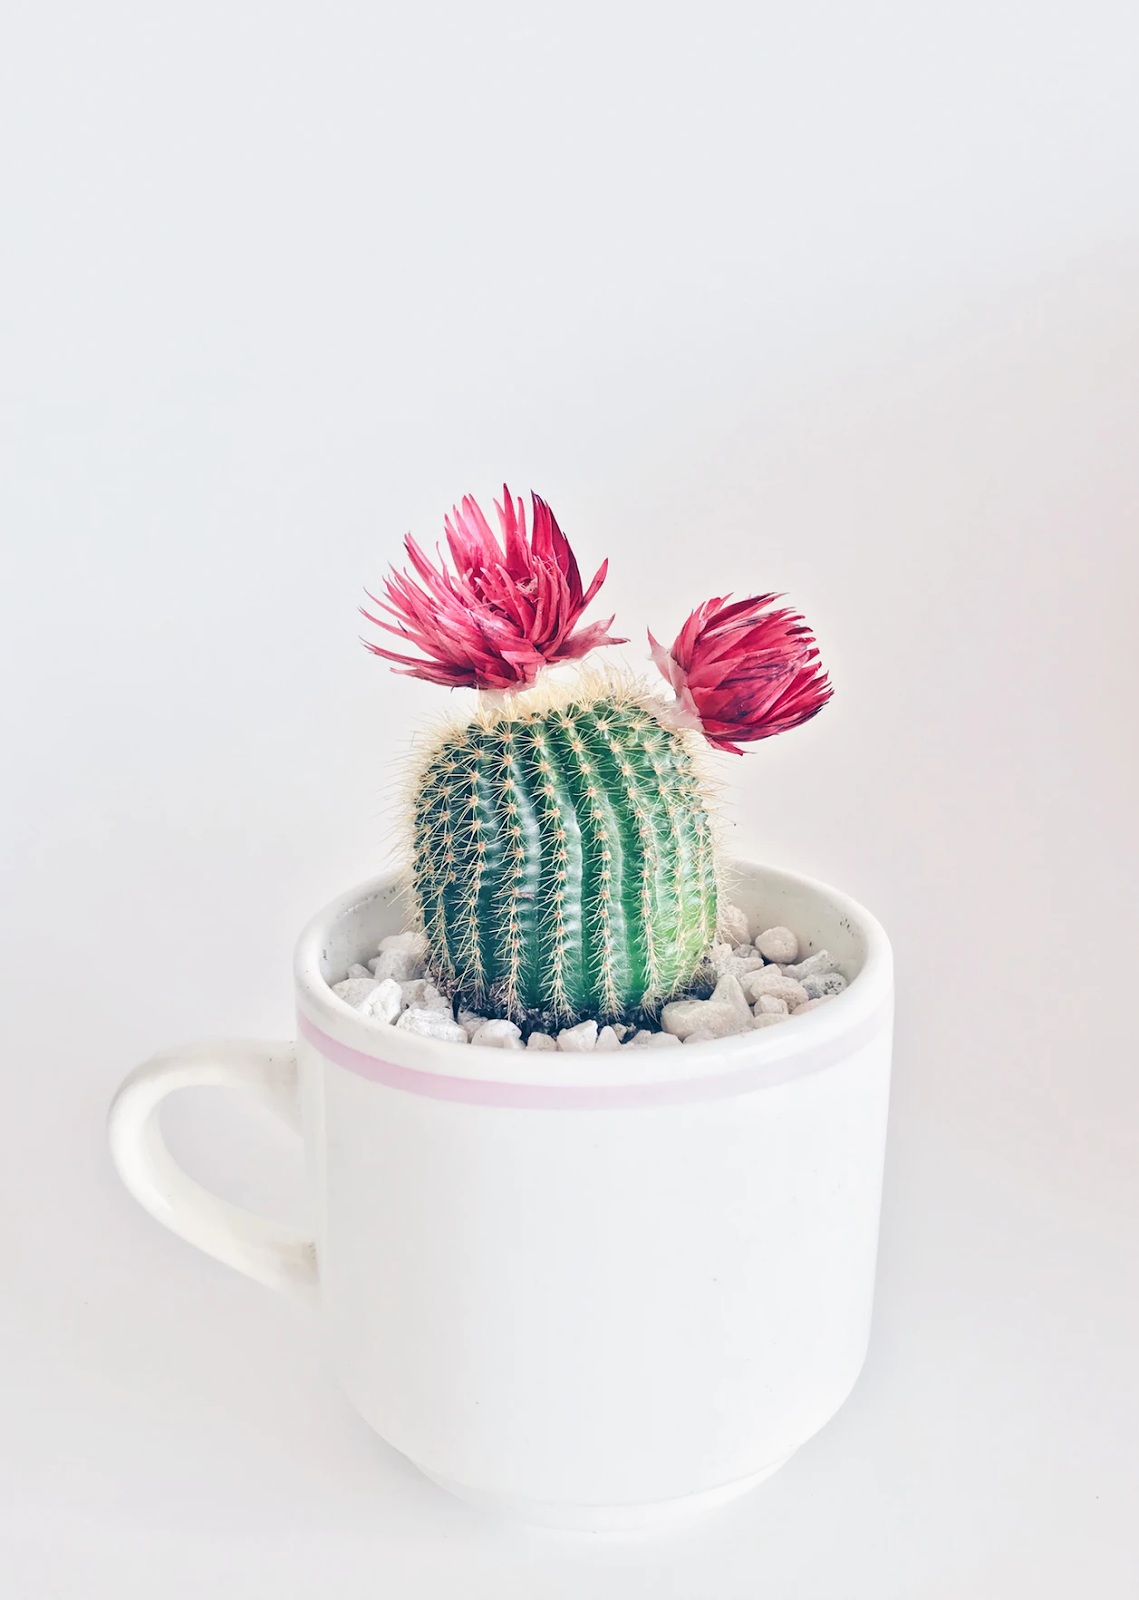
[268,1251]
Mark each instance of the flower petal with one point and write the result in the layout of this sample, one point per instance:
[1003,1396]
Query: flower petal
[505,612]
[744,671]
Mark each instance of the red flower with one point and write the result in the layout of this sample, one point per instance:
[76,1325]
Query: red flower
[743,672]
[504,614]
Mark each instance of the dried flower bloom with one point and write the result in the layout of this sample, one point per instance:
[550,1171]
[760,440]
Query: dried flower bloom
[506,611]
[743,672]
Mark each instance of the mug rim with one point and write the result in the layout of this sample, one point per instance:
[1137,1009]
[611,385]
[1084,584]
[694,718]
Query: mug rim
[767,1057]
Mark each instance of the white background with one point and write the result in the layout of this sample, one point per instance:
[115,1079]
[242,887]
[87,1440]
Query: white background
[834,299]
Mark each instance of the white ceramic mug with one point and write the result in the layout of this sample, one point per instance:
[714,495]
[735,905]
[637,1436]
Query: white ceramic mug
[594,1291]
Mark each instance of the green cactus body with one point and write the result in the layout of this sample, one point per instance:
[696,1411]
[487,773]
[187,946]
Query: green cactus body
[563,860]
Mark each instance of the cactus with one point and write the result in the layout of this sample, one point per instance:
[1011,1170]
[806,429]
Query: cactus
[562,859]
[562,856]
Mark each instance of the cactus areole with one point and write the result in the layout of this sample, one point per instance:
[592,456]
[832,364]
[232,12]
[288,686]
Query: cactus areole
[562,853]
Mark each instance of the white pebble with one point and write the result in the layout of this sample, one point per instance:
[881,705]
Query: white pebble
[720,1020]
[355,991]
[766,1019]
[646,1039]
[681,1017]
[414,944]
[622,1030]
[402,965]
[733,924]
[769,981]
[607,1040]
[583,1037]
[418,992]
[496,1033]
[357,971]
[716,1019]
[728,992]
[432,1025]
[385,1001]
[471,1019]
[810,1005]
[541,1041]
[770,1005]
[821,985]
[740,964]
[814,966]
[698,1036]
[777,944]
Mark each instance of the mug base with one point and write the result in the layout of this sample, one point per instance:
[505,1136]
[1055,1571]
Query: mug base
[619,1519]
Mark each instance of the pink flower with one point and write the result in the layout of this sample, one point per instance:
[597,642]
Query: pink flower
[743,672]
[504,614]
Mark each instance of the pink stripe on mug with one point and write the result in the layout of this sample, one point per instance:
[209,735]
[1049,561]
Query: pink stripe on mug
[750,1076]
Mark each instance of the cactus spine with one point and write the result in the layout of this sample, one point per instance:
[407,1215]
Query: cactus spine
[562,859]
